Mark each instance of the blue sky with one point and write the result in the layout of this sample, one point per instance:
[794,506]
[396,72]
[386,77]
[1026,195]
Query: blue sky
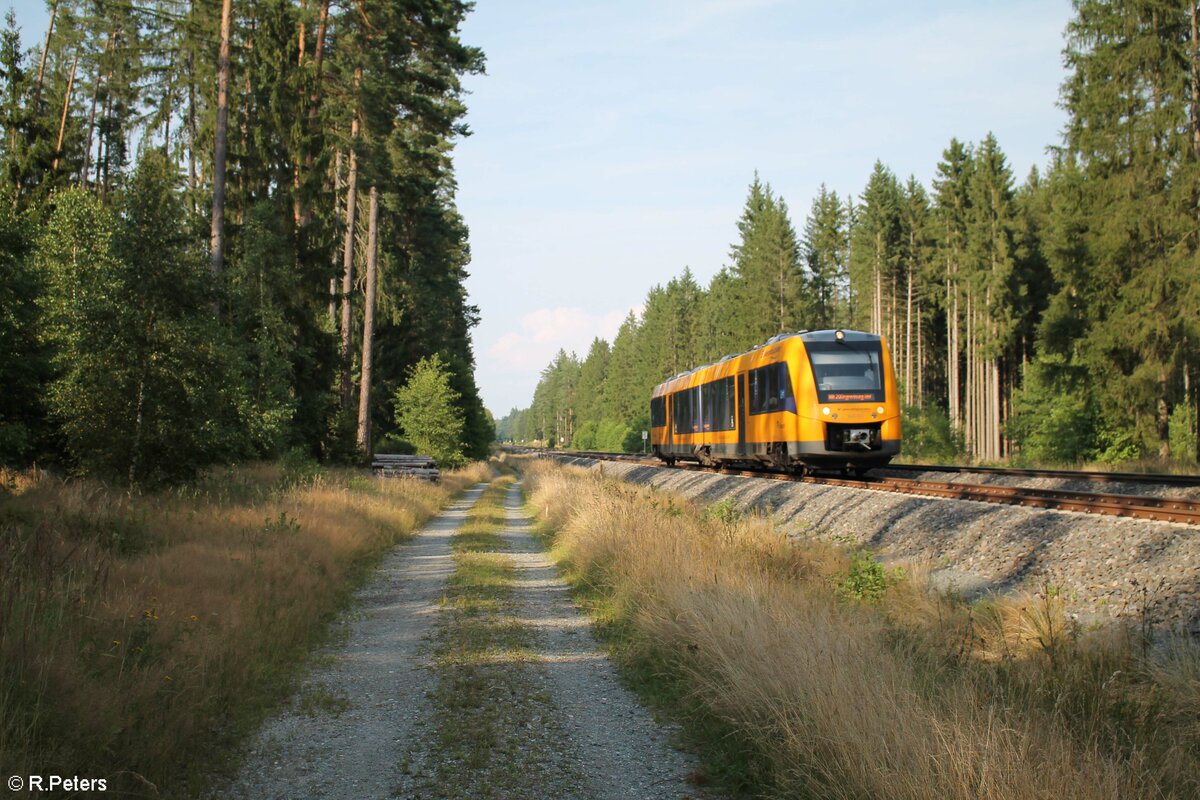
[614,141]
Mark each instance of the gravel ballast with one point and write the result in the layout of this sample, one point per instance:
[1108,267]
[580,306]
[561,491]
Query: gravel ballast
[1104,567]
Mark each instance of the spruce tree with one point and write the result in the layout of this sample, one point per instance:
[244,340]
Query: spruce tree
[826,246]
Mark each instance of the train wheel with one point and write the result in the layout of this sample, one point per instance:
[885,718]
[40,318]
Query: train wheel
[779,455]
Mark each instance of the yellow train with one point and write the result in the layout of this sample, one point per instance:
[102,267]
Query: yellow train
[802,401]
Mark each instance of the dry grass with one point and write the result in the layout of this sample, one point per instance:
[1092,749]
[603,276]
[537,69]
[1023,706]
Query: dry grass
[141,636]
[914,696]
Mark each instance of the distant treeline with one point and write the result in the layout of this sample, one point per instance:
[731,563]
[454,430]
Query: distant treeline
[211,213]
[1057,321]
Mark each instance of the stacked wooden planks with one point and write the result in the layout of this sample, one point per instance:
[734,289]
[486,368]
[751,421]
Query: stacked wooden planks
[390,465]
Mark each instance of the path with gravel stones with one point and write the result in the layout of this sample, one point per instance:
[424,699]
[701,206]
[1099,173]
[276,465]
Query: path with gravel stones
[367,714]
[378,675]
[621,749]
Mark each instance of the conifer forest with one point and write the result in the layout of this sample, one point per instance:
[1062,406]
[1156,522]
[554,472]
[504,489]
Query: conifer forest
[1048,318]
[228,230]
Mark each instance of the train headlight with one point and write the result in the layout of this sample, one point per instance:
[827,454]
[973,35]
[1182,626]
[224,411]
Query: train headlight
[825,411]
[879,410]
[840,335]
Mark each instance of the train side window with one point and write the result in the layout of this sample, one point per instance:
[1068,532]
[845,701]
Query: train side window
[721,410]
[771,389]
[682,406]
[715,404]
[658,412]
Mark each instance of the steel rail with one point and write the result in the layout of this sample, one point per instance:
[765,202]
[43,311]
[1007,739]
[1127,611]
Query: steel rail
[1068,474]
[1164,509]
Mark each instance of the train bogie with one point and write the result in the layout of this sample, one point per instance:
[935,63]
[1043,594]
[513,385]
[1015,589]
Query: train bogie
[811,400]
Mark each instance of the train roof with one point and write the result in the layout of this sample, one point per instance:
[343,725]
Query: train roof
[831,336]
[805,336]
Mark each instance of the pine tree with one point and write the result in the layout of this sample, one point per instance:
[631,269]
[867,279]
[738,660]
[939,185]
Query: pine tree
[875,252]
[768,287]
[826,248]
[916,248]
[1134,128]
[951,208]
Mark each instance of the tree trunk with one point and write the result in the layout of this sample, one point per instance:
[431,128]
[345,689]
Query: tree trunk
[139,418]
[920,362]
[364,391]
[169,100]
[348,273]
[894,319]
[970,382]
[62,124]
[222,134]
[102,152]
[997,417]
[781,293]
[193,178]
[314,103]
[956,409]
[348,253]
[37,91]
[87,154]
[333,290]
[908,350]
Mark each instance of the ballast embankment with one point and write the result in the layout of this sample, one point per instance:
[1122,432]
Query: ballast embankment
[1105,568]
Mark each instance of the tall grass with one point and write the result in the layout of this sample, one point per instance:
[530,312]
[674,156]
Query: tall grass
[141,636]
[828,694]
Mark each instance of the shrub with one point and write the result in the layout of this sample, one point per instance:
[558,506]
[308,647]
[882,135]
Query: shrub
[928,435]
[427,412]
[1054,418]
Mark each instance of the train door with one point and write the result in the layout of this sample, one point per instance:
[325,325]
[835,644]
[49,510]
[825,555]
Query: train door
[669,401]
[741,413]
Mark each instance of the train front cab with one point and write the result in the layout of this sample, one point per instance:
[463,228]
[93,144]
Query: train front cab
[850,413]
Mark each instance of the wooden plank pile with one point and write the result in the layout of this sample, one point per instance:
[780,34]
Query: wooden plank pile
[388,465]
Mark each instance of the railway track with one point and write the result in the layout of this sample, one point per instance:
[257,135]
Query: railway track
[1075,475]
[1165,509]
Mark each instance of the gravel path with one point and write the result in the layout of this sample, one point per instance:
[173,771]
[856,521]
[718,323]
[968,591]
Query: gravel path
[347,739]
[621,750]
[365,723]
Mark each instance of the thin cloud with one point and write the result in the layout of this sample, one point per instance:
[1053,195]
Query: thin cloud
[697,15]
[544,331]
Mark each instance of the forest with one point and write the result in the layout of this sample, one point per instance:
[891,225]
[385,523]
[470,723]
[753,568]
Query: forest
[1049,319]
[228,231]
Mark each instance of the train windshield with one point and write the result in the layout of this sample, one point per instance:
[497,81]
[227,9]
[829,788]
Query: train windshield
[847,372]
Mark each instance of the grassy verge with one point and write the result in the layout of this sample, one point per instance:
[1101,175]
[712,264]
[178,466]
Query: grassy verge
[141,637]
[807,671]
[487,706]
